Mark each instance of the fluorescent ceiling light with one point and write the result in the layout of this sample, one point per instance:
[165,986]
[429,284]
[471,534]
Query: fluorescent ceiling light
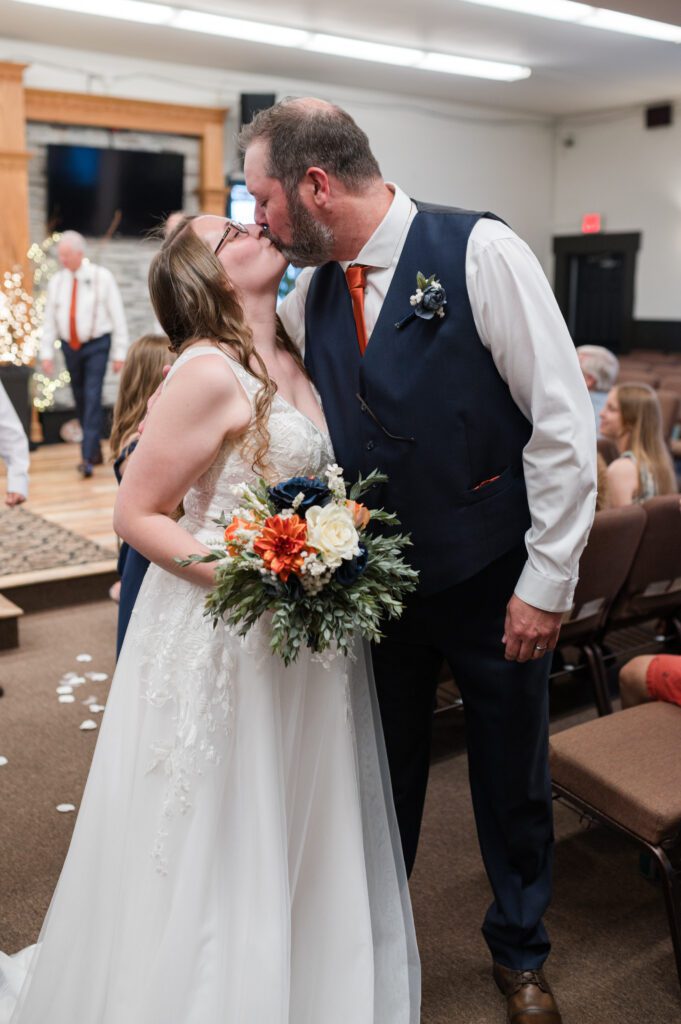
[280,35]
[236,28]
[128,10]
[589,17]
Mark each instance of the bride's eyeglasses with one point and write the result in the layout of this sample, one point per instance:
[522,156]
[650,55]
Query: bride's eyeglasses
[232,230]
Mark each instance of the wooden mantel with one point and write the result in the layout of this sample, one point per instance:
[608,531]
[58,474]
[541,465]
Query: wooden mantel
[19,105]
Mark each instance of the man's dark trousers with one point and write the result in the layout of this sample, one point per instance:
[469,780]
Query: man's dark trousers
[87,366]
[506,711]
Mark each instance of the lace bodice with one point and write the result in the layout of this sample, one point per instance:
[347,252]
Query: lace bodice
[297,448]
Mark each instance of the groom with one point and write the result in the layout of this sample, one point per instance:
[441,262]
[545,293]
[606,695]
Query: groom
[480,417]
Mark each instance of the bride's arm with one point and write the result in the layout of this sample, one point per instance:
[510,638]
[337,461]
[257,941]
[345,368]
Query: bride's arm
[202,404]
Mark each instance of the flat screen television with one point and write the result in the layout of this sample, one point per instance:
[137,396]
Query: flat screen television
[87,186]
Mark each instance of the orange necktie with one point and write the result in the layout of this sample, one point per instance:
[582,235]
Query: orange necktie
[74,340]
[356,276]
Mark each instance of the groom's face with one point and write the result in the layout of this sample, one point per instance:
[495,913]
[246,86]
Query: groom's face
[302,239]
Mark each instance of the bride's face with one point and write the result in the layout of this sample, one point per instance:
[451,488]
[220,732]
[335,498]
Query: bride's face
[252,263]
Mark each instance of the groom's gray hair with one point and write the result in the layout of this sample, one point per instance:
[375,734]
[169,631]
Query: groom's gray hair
[305,133]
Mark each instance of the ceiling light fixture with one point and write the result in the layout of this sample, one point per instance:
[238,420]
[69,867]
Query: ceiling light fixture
[588,16]
[166,16]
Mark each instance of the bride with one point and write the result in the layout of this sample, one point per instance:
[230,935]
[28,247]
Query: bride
[235,858]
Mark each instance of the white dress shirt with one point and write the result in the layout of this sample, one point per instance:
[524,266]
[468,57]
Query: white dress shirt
[99,310]
[518,320]
[13,446]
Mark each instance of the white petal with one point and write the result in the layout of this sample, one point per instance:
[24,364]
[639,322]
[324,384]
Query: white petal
[83,657]
[96,677]
[3,762]
[88,724]
[66,698]
[65,808]
[64,689]
[96,708]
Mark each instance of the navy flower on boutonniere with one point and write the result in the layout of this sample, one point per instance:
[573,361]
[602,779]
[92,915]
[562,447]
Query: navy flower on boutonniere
[429,299]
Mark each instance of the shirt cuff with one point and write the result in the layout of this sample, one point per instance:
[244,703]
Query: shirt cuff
[542,592]
[17,482]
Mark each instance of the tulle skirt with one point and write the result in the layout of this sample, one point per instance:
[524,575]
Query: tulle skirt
[236,857]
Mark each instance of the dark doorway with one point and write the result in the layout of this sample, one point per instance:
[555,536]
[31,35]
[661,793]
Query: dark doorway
[595,287]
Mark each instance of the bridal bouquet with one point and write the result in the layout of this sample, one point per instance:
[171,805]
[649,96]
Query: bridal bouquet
[304,550]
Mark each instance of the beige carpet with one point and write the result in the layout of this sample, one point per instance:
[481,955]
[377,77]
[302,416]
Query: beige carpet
[612,962]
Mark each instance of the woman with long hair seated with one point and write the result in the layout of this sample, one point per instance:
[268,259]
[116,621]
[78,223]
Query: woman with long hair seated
[632,419]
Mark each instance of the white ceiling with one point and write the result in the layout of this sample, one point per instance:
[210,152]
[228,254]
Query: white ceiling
[574,69]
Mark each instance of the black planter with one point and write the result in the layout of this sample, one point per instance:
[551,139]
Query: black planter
[16,380]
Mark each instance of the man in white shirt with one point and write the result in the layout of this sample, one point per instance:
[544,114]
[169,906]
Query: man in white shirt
[13,451]
[477,410]
[85,312]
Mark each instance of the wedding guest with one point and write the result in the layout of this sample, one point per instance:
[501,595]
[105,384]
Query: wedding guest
[141,373]
[601,369]
[13,451]
[631,417]
[651,677]
[85,313]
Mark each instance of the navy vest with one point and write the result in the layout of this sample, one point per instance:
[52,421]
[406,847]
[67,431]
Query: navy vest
[426,405]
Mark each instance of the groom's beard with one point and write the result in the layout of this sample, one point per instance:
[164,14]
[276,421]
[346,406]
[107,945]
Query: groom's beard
[312,243]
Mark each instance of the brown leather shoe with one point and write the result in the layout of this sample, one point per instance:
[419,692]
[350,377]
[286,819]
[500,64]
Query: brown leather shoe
[528,997]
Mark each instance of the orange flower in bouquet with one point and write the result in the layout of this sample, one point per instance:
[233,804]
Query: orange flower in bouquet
[361,515]
[282,544]
[237,524]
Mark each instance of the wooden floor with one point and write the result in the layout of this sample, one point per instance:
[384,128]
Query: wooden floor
[60,494]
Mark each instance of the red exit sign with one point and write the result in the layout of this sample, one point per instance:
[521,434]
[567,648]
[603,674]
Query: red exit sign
[591,223]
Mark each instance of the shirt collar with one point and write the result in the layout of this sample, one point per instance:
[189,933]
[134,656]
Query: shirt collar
[379,251]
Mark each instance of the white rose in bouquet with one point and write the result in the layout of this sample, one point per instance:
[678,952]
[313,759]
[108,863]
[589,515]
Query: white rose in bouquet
[331,530]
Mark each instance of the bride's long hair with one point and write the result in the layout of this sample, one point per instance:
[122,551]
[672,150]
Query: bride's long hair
[193,299]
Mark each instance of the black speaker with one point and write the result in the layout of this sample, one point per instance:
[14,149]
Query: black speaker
[252,102]
[659,116]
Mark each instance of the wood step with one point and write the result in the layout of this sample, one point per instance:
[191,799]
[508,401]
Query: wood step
[10,614]
[59,587]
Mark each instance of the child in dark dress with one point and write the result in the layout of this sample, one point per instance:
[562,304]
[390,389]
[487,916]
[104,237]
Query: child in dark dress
[142,371]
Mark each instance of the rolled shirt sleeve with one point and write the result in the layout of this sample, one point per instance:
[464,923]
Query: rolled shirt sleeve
[13,446]
[119,327]
[519,321]
[291,310]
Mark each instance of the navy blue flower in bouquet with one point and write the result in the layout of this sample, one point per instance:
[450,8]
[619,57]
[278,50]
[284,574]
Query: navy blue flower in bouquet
[285,494]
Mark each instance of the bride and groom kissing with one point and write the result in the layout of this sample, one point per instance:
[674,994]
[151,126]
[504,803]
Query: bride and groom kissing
[241,846]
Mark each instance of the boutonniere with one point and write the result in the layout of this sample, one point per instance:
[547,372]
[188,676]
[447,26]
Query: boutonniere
[428,300]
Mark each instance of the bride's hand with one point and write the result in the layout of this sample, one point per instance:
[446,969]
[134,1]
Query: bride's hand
[153,400]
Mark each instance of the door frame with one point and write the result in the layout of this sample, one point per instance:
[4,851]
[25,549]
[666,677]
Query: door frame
[566,246]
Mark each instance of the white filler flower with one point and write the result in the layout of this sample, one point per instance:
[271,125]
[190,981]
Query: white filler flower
[332,532]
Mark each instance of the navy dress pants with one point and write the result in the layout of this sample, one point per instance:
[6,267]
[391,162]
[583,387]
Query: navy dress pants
[87,366]
[506,712]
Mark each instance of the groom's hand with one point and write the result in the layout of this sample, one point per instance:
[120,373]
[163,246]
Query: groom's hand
[529,632]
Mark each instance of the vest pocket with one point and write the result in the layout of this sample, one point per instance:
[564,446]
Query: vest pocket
[491,487]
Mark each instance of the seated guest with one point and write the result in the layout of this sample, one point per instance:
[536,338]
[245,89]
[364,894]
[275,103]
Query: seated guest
[651,677]
[600,368]
[631,418]
[13,451]
[141,374]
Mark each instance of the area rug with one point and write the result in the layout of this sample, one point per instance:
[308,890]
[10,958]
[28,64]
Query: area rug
[29,543]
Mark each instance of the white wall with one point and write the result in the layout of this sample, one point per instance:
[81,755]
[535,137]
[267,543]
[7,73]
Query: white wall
[462,156]
[632,176]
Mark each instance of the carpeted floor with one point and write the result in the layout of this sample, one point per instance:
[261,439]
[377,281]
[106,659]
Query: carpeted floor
[29,542]
[612,962]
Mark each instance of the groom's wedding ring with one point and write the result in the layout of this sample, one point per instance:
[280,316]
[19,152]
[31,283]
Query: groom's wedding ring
[540,647]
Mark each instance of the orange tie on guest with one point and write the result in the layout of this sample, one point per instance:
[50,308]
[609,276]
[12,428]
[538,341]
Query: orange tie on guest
[74,340]
[356,276]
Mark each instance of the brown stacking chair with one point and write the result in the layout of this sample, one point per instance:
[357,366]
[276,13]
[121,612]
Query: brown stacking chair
[632,375]
[624,771]
[608,449]
[653,587]
[670,409]
[605,564]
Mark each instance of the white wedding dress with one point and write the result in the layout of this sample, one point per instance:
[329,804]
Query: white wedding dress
[236,858]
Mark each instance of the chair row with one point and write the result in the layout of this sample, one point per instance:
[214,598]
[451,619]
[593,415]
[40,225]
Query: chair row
[630,572]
